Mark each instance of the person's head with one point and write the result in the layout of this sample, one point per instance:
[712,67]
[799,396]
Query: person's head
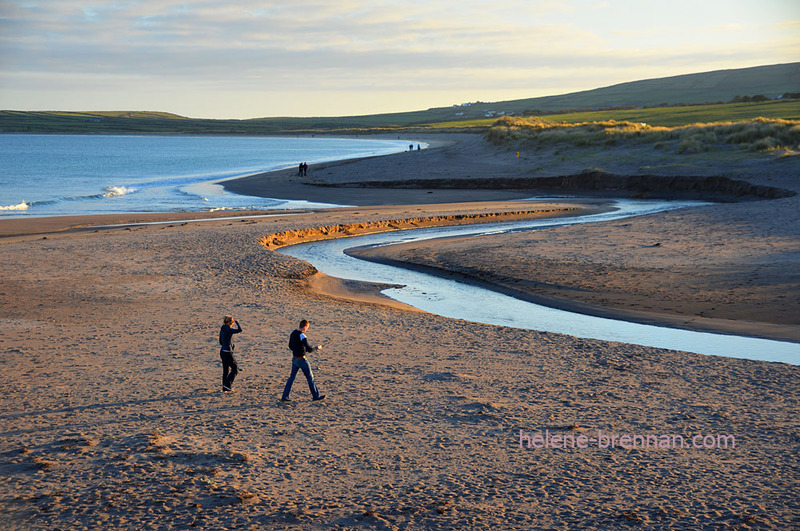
[303,325]
[227,320]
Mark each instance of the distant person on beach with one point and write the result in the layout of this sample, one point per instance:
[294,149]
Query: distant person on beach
[300,169]
[305,169]
[298,343]
[229,367]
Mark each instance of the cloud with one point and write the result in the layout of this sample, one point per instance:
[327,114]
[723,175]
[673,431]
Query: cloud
[167,39]
[381,46]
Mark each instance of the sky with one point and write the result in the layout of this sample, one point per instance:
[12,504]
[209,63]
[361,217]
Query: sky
[250,59]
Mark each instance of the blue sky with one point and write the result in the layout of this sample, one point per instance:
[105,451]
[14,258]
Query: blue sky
[249,59]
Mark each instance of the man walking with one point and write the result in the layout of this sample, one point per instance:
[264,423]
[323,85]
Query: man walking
[298,342]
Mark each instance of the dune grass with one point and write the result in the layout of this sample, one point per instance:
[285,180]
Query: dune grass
[673,115]
[758,134]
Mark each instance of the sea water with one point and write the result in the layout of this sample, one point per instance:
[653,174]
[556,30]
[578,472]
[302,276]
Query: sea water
[57,175]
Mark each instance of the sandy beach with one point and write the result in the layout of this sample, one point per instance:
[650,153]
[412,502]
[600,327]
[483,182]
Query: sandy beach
[112,415]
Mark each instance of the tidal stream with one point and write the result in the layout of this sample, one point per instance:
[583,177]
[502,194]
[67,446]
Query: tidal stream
[459,300]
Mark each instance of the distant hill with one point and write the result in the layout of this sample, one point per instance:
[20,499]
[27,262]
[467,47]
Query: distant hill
[708,87]
[718,86]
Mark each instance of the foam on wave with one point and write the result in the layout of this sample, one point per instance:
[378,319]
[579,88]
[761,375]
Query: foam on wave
[117,191]
[19,206]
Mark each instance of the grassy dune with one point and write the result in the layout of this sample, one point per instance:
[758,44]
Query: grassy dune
[759,134]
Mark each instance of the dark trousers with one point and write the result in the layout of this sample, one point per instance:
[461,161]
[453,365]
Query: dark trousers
[229,368]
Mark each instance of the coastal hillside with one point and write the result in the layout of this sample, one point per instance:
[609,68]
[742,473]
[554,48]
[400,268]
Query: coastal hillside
[772,81]
[744,85]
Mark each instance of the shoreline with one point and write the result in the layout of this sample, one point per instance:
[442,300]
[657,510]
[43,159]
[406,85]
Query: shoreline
[14,214]
[464,166]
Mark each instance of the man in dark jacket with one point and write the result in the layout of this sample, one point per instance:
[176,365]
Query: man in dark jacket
[229,367]
[298,343]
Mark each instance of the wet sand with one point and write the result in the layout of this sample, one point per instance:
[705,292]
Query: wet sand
[112,414]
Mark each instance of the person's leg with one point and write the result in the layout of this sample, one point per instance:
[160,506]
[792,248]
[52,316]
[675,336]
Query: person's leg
[225,367]
[234,371]
[290,381]
[312,386]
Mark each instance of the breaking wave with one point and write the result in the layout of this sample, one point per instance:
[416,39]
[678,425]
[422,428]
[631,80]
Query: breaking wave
[116,191]
[237,208]
[18,206]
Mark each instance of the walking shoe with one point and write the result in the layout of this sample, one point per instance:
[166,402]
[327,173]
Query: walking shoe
[227,389]
[285,400]
[320,397]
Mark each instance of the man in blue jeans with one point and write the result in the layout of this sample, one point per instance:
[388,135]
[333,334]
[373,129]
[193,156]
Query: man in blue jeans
[298,342]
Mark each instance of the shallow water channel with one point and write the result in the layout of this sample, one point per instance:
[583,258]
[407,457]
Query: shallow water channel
[459,300]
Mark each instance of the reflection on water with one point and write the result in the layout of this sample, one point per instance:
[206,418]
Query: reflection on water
[458,300]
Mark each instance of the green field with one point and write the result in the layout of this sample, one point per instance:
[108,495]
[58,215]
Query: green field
[164,123]
[685,115]
[666,116]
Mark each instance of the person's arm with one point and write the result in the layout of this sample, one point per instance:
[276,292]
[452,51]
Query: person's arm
[238,328]
[307,347]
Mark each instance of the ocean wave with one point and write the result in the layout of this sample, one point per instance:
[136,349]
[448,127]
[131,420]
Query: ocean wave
[19,206]
[225,208]
[116,191]
[240,208]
